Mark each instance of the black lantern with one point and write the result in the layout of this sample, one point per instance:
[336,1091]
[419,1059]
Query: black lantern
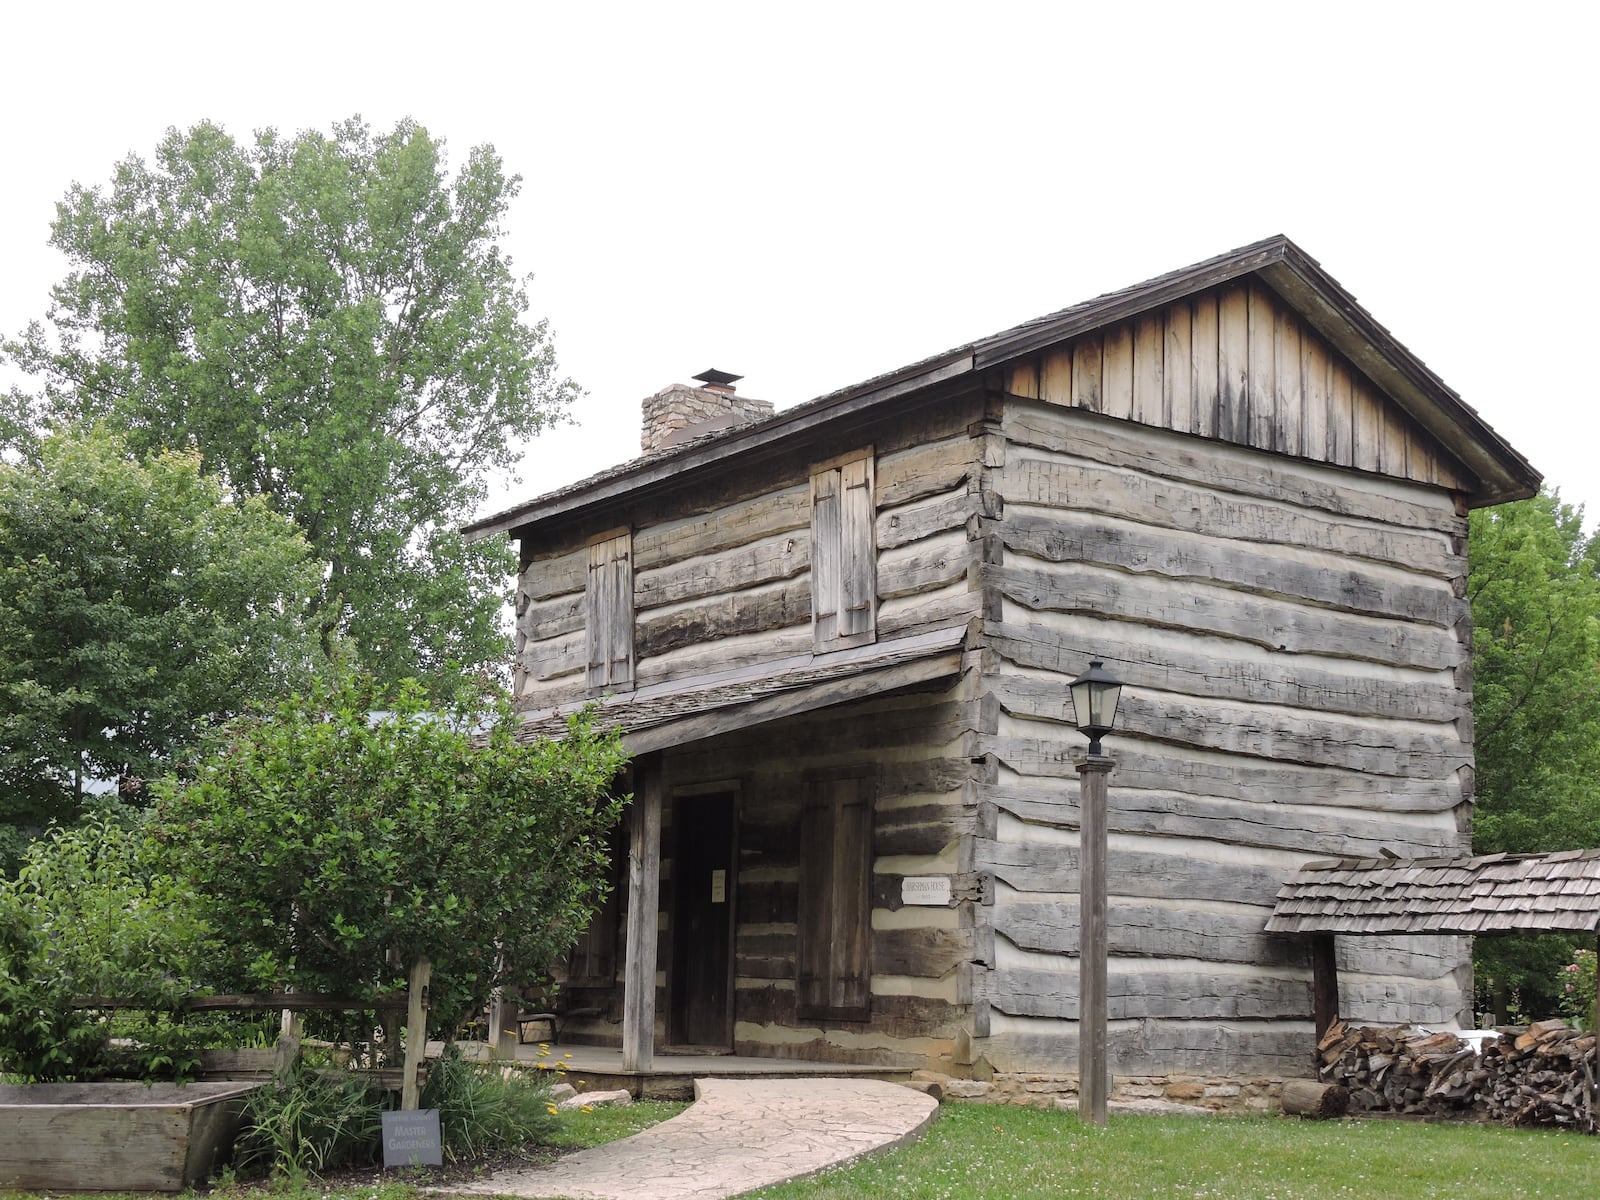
[1094,702]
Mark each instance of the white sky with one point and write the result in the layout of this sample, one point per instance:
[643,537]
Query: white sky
[811,194]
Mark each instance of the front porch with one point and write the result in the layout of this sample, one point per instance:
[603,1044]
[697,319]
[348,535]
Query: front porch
[672,1076]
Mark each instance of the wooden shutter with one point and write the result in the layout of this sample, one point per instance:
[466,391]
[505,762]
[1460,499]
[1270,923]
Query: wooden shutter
[833,963]
[593,959]
[610,612]
[857,552]
[825,519]
[843,555]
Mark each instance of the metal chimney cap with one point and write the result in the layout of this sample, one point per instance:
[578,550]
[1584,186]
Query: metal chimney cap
[714,378]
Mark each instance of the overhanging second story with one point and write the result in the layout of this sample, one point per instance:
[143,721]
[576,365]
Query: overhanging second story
[751,557]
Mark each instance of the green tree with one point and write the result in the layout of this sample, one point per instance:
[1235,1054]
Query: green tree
[138,603]
[352,832]
[1535,596]
[84,917]
[330,321]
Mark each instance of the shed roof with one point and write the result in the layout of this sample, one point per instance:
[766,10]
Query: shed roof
[1501,472]
[1496,893]
[679,711]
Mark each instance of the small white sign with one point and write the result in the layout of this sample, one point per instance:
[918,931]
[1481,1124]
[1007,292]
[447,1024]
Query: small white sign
[719,887]
[925,889]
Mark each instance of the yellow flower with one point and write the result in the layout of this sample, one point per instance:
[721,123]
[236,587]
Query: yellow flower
[590,1108]
[553,1110]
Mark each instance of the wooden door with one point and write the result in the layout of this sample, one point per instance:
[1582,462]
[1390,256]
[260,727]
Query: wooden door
[701,1006]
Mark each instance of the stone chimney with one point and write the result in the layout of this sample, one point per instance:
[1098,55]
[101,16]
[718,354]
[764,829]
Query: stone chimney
[679,413]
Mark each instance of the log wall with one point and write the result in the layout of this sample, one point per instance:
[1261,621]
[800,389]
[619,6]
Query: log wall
[1294,640]
[722,572]
[911,746]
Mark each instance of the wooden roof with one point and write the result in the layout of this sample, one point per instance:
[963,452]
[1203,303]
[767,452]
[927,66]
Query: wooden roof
[684,710]
[1498,472]
[1496,893]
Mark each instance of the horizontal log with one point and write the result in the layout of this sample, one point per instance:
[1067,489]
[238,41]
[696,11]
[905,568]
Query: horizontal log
[926,470]
[933,514]
[1180,992]
[782,556]
[890,1016]
[1308,1098]
[1319,578]
[1179,874]
[1160,660]
[1153,766]
[697,623]
[1247,473]
[924,953]
[738,523]
[1070,484]
[1272,623]
[543,620]
[1274,822]
[554,575]
[1211,934]
[1409,748]
[929,833]
[924,566]
[1155,1047]
[557,656]
[725,655]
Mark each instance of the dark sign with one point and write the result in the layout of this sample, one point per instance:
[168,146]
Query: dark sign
[411,1139]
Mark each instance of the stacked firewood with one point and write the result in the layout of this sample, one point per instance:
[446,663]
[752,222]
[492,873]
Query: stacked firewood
[1540,1075]
[1399,1069]
[1533,1075]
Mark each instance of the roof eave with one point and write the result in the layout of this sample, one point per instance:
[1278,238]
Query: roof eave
[751,440]
[1502,473]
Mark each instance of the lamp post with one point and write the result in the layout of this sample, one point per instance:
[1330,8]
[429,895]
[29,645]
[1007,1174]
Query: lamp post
[1094,702]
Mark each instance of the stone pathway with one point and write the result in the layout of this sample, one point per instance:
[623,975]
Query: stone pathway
[740,1134]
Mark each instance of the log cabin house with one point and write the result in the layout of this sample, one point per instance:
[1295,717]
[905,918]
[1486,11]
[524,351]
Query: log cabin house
[838,639]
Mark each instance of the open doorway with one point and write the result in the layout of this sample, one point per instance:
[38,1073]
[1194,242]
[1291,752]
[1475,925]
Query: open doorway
[700,1003]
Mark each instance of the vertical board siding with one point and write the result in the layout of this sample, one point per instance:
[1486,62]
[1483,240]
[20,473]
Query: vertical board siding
[1288,638]
[1239,365]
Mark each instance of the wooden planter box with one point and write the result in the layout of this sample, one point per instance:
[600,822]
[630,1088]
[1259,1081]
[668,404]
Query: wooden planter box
[126,1137]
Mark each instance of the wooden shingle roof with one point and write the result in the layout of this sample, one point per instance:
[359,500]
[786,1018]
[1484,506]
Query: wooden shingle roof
[679,711]
[1496,893]
[1501,473]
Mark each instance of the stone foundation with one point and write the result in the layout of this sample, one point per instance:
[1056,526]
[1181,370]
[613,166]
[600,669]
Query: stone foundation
[1044,1091]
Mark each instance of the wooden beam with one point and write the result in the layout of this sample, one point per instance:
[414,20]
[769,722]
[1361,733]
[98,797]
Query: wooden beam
[1093,1068]
[1324,983]
[262,1001]
[644,901]
[416,1032]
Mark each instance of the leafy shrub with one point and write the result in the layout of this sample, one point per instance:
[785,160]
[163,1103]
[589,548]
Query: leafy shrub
[337,840]
[487,1106]
[85,917]
[316,1120]
[1576,989]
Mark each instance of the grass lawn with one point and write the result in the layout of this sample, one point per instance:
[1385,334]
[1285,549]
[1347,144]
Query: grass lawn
[1003,1153]
[988,1151]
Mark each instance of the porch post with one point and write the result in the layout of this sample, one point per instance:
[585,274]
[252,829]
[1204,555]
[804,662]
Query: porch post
[1324,983]
[644,888]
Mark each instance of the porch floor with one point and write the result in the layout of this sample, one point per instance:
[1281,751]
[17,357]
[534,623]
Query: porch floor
[672,1076]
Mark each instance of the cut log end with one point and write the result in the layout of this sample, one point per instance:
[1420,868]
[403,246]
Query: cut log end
[1308,1098]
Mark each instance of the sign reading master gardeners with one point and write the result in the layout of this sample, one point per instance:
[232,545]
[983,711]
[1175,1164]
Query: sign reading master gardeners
[411,1139]
[925,889]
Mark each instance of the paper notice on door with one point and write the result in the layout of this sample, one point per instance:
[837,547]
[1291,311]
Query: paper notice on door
[719,887]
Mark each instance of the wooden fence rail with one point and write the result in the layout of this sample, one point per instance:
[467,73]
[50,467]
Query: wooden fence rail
[413,1002]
